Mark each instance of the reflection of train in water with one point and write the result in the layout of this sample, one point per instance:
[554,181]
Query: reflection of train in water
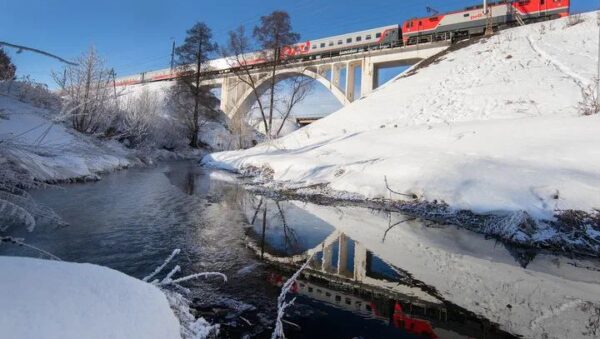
[389,311]
[439,27]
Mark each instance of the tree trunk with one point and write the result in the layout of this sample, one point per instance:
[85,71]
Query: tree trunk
[272,99]
[195,125]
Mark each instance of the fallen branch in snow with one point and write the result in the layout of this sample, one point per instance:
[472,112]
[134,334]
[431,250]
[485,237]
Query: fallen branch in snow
[282,304]
[387,186]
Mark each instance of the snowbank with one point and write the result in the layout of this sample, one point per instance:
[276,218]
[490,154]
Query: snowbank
[492,127]
[50,151]
[51,299]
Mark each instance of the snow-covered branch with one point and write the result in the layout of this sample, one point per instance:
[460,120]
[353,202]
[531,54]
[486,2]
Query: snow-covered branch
[282,305]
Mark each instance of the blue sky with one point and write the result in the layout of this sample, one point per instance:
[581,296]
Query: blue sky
[136,35]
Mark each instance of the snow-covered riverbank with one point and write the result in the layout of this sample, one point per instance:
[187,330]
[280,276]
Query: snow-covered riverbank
[495,127]
[51,152]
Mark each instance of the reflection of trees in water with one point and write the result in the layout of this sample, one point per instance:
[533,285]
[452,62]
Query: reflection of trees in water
[289,234]
[260,206]
[189,184]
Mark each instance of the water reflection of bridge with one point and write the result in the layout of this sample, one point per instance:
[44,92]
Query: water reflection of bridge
[344,273]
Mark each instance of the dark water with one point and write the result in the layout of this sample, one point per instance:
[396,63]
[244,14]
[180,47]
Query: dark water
[132,220]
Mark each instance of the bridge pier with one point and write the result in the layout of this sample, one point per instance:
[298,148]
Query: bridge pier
[360,262]
[368,76]
[342,264]
[327,265]
[351,79]
[336,74]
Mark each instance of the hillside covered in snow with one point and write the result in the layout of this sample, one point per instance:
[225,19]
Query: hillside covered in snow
[48,150]
[494,127]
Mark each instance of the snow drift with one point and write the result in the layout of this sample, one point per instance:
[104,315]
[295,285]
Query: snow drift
[51,152]
[492,127]
[51,299]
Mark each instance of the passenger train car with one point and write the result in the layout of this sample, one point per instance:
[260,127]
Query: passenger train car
[448,26]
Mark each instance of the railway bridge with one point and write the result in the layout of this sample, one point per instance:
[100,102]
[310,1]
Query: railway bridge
[238,98]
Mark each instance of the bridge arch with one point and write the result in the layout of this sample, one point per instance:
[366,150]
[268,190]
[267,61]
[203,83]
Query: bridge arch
[247,98]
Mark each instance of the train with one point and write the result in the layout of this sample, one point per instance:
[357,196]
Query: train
[451,26]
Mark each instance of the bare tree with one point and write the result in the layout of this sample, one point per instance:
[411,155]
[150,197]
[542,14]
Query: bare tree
[300,88]
[86,91]
[274,33]
[237,53]
[140,117]
[192,63]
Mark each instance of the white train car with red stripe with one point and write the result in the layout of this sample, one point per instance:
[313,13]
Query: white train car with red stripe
[447,26]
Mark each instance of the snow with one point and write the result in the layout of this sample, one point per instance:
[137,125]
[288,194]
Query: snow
[52,299]
[214,133]
[52,152]
[492,127]
[547,299]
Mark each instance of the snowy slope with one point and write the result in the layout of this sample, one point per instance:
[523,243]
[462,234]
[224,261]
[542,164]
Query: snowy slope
[491,127]
[48,150]
[51,299]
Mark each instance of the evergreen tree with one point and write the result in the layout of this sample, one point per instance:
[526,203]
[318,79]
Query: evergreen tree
[7,68]
[192,61]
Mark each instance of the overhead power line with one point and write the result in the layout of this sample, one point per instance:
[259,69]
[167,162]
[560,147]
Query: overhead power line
[39,51]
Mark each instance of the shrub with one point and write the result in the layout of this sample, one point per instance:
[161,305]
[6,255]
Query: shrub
[589,104]
[573,20]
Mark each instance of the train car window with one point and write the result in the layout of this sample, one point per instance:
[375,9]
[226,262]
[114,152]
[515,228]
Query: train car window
[542,2]
[349,40]
[322,44]
[331,43]
[358,38]
[314,47]
[368,37]
[340,42]
[420,23]
[378,35]
[466,15]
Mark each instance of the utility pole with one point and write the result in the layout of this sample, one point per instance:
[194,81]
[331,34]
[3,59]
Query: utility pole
[489,29]
[598,75]
[173,56]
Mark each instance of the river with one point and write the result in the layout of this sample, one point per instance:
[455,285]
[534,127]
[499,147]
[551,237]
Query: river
[372,274]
